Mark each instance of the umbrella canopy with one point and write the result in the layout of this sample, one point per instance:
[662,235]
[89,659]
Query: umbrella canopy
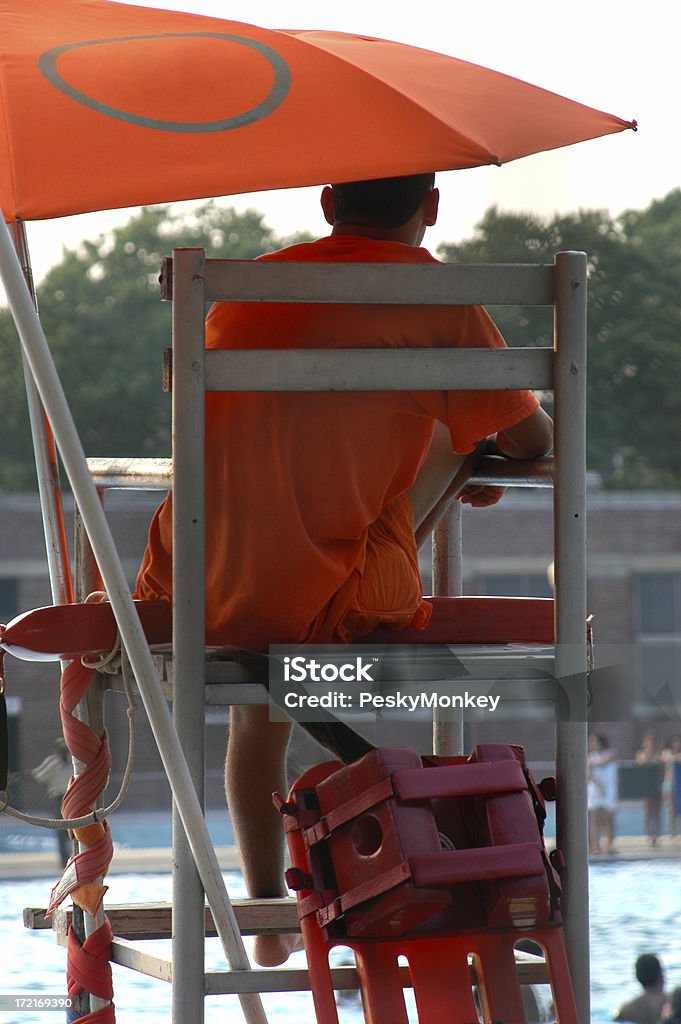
[107,105]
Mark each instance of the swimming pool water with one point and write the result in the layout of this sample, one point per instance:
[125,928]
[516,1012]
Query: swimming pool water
[635,908]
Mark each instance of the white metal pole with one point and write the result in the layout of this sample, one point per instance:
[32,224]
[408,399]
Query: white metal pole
[447,553]
[47,469]
[54,401]
[54,529]
[571,611]
[448,735]
[189,629]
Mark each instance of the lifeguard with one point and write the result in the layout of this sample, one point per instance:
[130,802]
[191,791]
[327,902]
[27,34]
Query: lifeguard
[314,501]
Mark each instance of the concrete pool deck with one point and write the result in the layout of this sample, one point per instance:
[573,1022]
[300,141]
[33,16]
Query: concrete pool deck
[157,860]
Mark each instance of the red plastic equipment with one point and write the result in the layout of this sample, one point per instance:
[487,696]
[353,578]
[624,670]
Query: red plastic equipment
[59,632]
[439,860]
[477,620]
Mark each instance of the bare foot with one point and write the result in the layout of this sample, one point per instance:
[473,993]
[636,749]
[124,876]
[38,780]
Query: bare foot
[273,950]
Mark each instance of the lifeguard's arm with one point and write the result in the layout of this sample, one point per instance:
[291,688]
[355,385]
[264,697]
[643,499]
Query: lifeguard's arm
[527,439]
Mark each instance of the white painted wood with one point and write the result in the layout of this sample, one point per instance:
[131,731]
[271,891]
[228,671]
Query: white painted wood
[189,629]
[129,955]
[401,284]
[145,474]
[413,369]
[448,724]
[571,609]
[157,474]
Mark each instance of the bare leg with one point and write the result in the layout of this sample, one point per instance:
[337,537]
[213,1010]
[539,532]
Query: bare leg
[654,814]
[605,825]
[609,830]
[671,816]
[255,767]
[440,478]
[593,832]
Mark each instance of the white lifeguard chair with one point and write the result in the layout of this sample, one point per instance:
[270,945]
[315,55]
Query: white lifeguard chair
[192,281]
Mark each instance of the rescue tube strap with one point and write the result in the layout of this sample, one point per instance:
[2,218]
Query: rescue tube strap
[88,966]
[320,900]
[375,886]
[376,794]
[329,905]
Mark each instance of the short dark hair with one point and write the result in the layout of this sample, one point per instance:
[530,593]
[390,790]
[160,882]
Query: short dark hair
[648,970]
[383,202]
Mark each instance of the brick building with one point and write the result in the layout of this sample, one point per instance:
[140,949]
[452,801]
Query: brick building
[634,593]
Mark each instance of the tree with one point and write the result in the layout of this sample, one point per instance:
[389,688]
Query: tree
[634,354]
[107,329]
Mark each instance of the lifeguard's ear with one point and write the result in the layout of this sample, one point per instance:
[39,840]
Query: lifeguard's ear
[326,199]
[430,207]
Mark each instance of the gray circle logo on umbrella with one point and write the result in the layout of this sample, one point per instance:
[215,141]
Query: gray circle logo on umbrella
[277,94]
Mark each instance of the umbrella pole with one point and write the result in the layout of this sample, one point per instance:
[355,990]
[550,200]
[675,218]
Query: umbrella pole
[45,454]
[53,398]
[54,529]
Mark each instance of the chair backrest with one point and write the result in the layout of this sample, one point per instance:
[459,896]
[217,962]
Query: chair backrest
[191,281]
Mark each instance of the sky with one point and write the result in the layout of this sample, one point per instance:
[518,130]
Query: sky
[621,57]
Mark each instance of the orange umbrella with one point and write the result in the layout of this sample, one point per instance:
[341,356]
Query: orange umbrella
[108,105]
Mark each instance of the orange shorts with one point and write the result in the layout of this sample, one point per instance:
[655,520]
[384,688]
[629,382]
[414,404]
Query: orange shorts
[386,588]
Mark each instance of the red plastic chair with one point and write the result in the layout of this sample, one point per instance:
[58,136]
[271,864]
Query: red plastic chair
[366,844]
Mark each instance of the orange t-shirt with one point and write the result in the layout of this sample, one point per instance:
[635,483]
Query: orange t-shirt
[309,535]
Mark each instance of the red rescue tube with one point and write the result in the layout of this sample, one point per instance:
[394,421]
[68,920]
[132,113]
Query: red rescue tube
[71,630]
[477,620]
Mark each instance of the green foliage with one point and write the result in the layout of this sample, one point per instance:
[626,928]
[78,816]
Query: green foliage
[634,401]
[17,461]
[107,328]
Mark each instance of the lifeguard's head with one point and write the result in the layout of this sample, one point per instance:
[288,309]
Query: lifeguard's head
[383,205]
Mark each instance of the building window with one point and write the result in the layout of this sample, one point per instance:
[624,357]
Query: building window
[9,597]
[657,602]
[516,585]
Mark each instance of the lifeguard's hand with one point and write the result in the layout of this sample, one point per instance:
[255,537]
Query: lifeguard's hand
[481,495]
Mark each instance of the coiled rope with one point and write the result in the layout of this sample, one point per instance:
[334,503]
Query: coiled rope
[88,967]
[87,964]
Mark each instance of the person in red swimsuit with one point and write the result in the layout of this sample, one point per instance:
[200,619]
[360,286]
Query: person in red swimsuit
[314,500]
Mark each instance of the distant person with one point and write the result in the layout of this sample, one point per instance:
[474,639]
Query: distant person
[54,773]
[651,754]
[602,793]
[649,1006]
[671,783]
[674,1016]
